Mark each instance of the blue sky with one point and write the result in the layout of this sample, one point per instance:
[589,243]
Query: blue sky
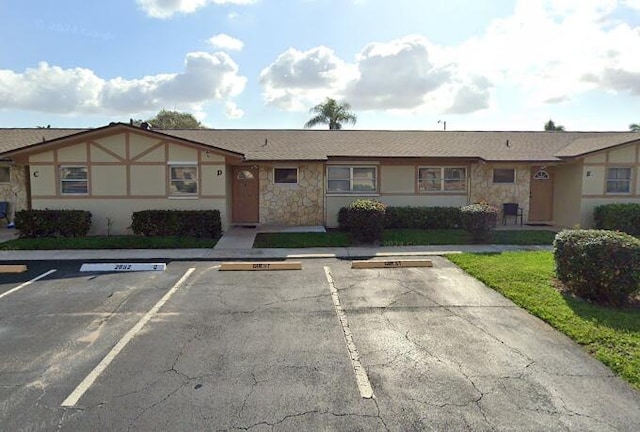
[402,64]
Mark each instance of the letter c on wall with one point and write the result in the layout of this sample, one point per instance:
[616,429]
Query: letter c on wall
[36,173]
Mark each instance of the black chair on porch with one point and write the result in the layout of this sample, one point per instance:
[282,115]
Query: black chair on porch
[511,209]
[4,210]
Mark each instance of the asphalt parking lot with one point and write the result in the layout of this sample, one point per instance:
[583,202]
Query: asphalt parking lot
[195,348]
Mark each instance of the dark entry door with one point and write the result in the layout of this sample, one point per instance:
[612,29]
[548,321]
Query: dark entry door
[541,197]
[245,206]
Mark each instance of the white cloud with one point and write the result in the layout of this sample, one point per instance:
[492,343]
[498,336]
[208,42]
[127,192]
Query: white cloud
[225,42]
[232,111]
[167,8]
[550,51]
[403,74]
[396,75]
[548,47]
[297,78]
[51,89]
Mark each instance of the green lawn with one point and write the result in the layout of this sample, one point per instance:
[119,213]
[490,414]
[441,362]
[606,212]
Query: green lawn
[400,237]
[104,242]
[527,278]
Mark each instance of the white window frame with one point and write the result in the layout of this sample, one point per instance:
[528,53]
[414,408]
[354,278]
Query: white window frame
[610,180]
[442,179]
[172,180]
[8,168]
[286,168]
[69,181]
[351,191]
[493,175]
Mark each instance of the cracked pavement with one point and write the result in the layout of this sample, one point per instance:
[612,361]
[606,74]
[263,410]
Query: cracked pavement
[265,351]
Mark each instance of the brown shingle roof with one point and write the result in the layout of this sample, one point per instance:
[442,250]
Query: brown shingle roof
[12,139]
[274,145]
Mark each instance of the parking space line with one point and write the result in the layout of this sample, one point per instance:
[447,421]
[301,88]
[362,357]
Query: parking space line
[366,391]
[19,287]
[75,396]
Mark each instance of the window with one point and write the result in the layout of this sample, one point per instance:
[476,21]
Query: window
[5,174]
[74,180]
[618,180]
[348,179]
[504,175]
[184,179]
[285,175]
[442,179]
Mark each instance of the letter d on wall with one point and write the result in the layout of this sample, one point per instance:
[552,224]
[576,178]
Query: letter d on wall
[219,172]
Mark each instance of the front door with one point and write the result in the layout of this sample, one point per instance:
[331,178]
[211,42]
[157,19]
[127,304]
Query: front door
[541,196]
[245,195]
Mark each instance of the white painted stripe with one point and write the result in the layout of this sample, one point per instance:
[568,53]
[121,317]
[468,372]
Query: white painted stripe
[366,391]
[75,396]
[122,267]
[19,287]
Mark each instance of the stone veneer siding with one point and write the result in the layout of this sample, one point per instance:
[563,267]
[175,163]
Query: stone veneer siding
[484,190]
[291,205]
[15,193]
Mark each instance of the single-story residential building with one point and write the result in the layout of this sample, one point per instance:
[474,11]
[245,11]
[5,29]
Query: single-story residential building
[303,177]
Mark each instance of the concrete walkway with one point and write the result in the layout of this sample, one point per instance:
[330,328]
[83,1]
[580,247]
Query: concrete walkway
[256,254]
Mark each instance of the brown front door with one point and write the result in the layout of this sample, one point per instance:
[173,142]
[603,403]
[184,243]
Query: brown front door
[541,196]
[245,195]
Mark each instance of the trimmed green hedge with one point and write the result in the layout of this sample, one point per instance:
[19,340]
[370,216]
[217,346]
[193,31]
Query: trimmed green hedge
[618,217]
[598,265]
[189,223]
[53,223]
[479,220]
[364,219]
[423,217]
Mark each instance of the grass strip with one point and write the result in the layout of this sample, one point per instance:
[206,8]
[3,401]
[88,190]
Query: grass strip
[107,242]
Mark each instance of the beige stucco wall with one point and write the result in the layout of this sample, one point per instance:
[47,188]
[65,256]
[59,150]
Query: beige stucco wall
[213,180]
[43,180]
[484,190]
[623,155]
[593,180]
[15,192]
[594,174]
[109,180]
[128,172]
[73,154]
[148,180]
[289,204]
[567,186]
[397,179]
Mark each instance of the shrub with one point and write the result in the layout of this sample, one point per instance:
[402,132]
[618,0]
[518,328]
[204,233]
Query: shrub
[189,223]
[618,217]
[479,220]
[598,265]
[422,217]
[365,220]
[53,223]
[343,219]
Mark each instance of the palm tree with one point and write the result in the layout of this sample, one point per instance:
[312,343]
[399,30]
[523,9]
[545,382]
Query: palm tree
[332,113]
[551,126]
[634,127]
